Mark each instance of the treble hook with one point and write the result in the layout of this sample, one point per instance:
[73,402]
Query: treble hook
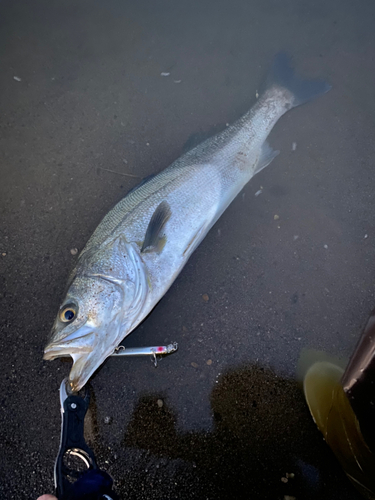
[154,359]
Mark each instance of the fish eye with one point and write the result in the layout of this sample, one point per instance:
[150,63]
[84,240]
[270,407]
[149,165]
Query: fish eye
[68,313]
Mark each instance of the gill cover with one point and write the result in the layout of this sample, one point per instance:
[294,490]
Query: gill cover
[119,262]
[109,287]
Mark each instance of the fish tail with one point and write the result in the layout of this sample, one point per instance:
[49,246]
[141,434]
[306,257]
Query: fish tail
[282,75]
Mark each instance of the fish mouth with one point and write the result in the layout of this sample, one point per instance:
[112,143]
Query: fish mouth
[79,341]
[85,349]
[86,360]
[59,350]
[84,366]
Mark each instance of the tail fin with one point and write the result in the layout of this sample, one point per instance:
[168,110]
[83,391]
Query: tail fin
[282,75]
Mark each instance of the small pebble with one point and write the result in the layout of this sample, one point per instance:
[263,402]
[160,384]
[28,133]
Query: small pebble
[295,237]
[205,297]
[177,81]
[258,192]
[163,73]
[256,94]
[17,78]
[209,362]
[284,479]
[74,251]
[4,254]
[276,217]
[288,497]
[107,420]
[290,475]
[326,246]
[294,146]
[365,236]
[194,365]
[160,403]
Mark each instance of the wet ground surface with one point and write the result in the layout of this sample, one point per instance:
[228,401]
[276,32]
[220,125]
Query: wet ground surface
[223,417]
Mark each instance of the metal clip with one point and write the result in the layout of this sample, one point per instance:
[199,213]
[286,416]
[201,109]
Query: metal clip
[73,448]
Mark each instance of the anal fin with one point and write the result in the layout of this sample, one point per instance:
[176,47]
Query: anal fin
[267,154]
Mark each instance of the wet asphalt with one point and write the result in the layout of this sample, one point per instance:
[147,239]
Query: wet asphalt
[85,114]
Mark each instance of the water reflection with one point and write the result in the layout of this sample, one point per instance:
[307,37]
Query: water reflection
[257,448]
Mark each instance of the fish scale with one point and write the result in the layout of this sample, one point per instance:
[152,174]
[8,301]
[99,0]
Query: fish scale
[118,277]
[220,150]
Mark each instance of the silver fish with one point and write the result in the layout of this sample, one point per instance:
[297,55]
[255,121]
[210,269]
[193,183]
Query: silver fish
[142,244]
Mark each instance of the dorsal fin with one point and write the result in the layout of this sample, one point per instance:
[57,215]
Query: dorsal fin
[157,222]
[142,183]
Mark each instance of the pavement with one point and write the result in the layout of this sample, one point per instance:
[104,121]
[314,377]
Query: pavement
[85,114]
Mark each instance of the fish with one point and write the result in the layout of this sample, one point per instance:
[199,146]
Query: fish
[141,245]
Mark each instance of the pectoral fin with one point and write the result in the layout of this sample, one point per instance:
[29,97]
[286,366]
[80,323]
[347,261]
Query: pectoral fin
[159,218]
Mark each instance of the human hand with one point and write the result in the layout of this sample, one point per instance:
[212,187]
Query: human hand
[47,497]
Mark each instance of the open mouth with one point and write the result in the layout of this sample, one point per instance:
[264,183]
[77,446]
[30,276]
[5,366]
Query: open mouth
[88,345]
[85,361]
[77,342]
[84,366]
[53,351]
[87,352]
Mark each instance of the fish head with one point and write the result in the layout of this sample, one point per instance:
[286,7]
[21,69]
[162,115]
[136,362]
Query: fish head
[86,326]
[101,307]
